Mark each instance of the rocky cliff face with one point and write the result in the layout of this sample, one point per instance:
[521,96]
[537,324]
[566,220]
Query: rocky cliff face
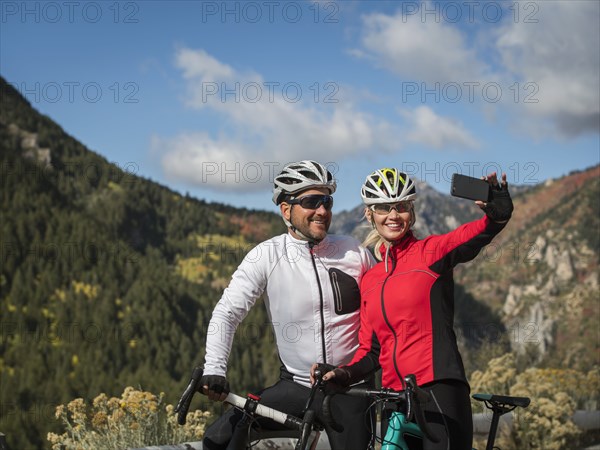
[542,277]
[30,147]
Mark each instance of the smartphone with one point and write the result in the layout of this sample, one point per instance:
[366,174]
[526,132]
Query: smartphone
[469,187]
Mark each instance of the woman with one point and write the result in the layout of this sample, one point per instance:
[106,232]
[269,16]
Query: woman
[407,302]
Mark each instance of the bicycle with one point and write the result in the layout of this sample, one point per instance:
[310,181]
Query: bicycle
[305,429]
[402,432]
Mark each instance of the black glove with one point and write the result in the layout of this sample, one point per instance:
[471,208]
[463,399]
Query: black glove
[215,383]
[322,369]
[500,206]
[342,374]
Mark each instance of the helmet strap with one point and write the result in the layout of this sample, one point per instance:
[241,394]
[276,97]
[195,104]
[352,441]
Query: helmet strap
[291,226]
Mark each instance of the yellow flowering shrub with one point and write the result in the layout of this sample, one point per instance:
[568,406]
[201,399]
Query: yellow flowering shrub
[547,423]
[555,395]
[591,400]
[137,419]
[496,379]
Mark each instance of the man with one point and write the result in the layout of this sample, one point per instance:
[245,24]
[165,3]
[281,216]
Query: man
[310,285]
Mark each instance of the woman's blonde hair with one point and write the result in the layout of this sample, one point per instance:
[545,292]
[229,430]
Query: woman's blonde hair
[375,240]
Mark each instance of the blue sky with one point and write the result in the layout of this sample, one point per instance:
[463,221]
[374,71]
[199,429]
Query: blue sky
[212,98]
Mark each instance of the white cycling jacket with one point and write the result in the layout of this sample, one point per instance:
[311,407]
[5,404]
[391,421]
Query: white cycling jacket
[312,298]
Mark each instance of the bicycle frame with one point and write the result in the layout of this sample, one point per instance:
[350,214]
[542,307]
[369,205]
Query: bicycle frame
[398,428]
[400,424]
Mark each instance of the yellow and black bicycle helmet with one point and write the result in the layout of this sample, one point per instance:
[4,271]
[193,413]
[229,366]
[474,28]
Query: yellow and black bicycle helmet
[388,185]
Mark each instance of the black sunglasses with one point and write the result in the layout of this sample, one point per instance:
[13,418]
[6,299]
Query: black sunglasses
[313,201]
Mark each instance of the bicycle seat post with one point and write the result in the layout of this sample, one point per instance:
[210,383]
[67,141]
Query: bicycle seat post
[500,405]
[497,411]
[493,429]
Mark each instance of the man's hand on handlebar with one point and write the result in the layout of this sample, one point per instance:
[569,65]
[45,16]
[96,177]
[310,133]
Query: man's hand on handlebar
[215,387]
[331,374]
[318,370]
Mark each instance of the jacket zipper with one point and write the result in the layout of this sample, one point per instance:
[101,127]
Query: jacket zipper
[387,322]
[337,295]
[312,254]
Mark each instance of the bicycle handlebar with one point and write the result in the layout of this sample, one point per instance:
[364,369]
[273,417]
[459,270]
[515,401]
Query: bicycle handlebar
[186,398]
[183,405]
[415,398]
[289,421]
[251,405]
[411,399]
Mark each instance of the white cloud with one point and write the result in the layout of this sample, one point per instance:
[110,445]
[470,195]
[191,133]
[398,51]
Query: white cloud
[198,63]
[261,126]
[416,49]
[545,62]
[559,55]
[428,128]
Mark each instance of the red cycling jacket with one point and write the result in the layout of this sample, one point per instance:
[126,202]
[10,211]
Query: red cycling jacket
[409,310]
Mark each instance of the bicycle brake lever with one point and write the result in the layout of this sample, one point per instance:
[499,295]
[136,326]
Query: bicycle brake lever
[184,402]
[313,390]
[415,397]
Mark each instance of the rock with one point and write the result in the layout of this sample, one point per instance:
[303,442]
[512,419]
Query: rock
[550,256]
[550,288]
[29,145]
[451,222]
[564,266]
[539,330]
[512,300]
[537,251]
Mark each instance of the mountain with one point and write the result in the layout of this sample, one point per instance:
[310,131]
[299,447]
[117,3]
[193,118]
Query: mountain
[541,273]
[108,279]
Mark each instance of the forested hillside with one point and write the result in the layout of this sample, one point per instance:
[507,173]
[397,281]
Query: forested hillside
[107,279]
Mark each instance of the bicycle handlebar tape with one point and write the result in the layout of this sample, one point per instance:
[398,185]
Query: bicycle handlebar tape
[326,407]
[419,397]
[186,398]
[307,421]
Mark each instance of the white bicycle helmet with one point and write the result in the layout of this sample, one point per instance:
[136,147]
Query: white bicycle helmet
[299,176]
[387,185]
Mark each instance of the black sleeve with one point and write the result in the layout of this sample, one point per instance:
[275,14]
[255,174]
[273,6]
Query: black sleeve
[367,365]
